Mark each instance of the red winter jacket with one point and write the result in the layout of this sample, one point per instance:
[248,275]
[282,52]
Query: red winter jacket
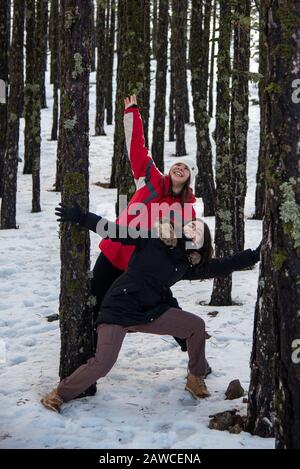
[152,186]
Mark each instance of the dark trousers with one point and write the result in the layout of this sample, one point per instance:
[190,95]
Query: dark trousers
[174,322]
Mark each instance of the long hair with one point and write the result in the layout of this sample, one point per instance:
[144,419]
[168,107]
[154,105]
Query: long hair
[207,250]
[185,194]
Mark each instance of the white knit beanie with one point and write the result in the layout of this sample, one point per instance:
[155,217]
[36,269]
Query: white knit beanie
[189,163]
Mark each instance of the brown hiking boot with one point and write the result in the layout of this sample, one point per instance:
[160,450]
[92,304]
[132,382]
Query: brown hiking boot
[196,386]
[52,401]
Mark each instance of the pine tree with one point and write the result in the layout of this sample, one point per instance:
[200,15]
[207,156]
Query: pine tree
[224,230]
[212,61]
[274,396]
[4,44]
[101,68]
[132,78]
[157,149]
[54,67]
[8,207]
[199,53]
[179,63]
[240,114]
[155,27]
[75,310]
[260,175]
[110,63]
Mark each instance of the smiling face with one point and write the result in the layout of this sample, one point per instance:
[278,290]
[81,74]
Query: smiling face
[194,230]
[179,173]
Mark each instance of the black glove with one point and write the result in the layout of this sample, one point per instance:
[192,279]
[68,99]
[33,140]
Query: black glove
[256,253]
[72,214]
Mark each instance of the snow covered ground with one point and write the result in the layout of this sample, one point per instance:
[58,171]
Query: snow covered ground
[142,402]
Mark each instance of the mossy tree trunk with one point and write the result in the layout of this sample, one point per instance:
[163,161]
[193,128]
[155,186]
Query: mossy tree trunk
[260,175]
[185,88]
[199,53]
[275,363]
[155,27]
[93,36]
[42,32]
[54,63]
[240,115]
[132,78]
[4,45]
[179,61]
[75,309]
[158,139]
[171,95]
[212,61]
[62,81]
[8,206]
[224,229]
[110,63]
[101,67]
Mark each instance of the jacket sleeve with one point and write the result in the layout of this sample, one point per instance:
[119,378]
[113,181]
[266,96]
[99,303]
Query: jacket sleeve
[221,267]
[114,231]
[142,165]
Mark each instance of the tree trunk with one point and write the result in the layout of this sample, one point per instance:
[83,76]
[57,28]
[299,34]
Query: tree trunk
[93,37]
[240,115]
[185,61]
[4,44]
[75,310]
[178,31]
[221,295]
[8,206]
[199,52]
[101,68]
[42,21]
[172,94]
[54,72]
[62,81]
[260,175]
[155,27]
[275,363]
[132,78]
[158,139]
[212,62]
[110,64]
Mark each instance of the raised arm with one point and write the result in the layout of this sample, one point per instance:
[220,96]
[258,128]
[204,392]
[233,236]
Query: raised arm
[100,225]
[142,164]
[223,266]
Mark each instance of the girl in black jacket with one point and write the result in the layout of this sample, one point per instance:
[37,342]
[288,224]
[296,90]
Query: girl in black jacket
[136,300]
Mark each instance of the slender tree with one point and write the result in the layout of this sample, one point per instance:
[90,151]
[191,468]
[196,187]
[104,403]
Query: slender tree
[179,62]
[4,43]
[101,68]
[260,175]
[212,61]
[155,35]
[274,396]
[184,59]
[54,68]
[110,63]
[8,206]
[157,149]
[224,230]
[172,93]
[199,53]
[133,68]
[74,310]
[93,36]
[240,114]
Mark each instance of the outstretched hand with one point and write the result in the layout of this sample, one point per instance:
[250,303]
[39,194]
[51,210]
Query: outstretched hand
[72,214]
[130,101]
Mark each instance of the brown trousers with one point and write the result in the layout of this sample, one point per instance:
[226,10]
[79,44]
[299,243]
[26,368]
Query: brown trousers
[174,322]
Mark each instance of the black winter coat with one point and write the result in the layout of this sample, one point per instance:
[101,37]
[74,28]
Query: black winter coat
[141,294]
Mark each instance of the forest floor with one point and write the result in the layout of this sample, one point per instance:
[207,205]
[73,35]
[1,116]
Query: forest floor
[141,403]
